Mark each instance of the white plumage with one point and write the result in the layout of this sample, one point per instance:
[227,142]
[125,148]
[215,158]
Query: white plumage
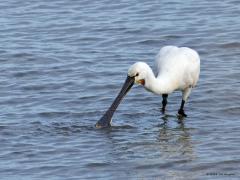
[178,68]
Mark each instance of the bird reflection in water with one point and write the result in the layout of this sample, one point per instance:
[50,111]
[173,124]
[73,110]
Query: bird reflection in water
[175,142]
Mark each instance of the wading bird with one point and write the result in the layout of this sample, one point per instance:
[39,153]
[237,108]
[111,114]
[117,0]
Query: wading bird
[178,68]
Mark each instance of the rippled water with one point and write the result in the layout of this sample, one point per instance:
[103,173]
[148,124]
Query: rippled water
[62,64]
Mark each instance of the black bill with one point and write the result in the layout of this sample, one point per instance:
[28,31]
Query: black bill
[105,121]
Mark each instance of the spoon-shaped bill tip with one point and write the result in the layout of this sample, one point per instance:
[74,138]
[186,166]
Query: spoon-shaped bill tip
[106,119]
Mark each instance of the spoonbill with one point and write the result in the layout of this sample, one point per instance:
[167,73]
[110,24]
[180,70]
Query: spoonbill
[178,68]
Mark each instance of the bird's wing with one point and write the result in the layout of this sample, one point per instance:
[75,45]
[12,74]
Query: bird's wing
[162,56]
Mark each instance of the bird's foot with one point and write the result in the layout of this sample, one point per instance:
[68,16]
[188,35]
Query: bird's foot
[181,113]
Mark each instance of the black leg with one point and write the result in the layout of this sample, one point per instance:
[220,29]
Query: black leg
[181,110]
[164,102]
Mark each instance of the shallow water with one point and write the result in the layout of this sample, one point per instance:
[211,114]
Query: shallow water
[63,63]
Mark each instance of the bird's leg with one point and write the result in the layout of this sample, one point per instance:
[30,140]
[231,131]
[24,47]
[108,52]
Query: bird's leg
[185,95]
[164,102]
[181,110]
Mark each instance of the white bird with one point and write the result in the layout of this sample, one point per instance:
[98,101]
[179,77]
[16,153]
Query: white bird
[178,68]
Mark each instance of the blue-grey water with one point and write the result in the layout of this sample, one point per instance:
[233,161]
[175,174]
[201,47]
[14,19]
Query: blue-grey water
[63,63]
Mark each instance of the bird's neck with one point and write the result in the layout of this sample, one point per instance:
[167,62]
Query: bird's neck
[159,85]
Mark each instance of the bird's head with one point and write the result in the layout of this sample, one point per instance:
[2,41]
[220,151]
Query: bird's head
[139,72]
[136,74]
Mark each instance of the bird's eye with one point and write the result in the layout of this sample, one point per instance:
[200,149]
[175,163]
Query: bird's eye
[137,74]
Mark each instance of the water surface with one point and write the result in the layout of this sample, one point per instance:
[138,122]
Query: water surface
[63,63]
